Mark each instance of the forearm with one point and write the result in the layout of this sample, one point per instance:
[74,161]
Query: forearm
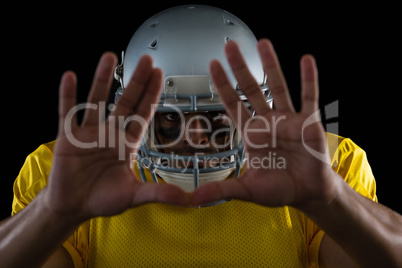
[32,235]
[370,233]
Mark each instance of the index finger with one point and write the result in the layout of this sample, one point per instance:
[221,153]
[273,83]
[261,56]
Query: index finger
[230,99]
[310,92]
[248,84]
[131,96]
[276,80]
[67,101]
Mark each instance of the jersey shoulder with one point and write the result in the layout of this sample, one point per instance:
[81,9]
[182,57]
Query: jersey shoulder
[32,176]
[350,161]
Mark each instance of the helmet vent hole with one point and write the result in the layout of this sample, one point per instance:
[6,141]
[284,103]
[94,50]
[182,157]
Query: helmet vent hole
[155,24]
[154,44]
[228,22]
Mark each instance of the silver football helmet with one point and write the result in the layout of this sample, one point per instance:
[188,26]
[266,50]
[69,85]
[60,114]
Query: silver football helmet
[182,42]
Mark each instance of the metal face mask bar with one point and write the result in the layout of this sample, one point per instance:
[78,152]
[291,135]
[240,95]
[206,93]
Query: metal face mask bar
[151,160]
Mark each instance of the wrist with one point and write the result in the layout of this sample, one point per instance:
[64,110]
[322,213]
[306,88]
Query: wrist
[29,237]
[328,194]
[67,221]
[336,211]
[364,229]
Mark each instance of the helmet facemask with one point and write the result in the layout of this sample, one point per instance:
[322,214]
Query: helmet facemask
[192,148]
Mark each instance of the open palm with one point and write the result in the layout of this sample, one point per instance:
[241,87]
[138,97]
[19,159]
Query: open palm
[297,178]
[91,173]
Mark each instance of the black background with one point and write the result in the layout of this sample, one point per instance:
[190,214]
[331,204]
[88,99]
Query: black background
[356,48]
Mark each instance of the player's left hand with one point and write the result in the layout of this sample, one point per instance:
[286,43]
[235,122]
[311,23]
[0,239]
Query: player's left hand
[302,180]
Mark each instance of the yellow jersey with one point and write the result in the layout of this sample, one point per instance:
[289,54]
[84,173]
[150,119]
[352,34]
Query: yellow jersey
[232,234]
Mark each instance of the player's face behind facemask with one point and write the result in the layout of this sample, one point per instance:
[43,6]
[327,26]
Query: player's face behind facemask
[199,134]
